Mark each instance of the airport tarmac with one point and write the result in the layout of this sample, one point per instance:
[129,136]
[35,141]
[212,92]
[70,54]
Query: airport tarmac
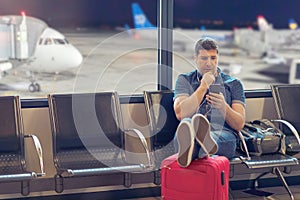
[117,61]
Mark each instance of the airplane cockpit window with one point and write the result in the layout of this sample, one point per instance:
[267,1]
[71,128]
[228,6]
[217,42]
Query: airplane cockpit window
[59,41]
[40,41]
[66,41]
[298,71]
[48,41]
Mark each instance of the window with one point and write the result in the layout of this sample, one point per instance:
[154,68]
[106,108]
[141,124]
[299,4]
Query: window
[254,48]
[59,41]
[116,56]
[106,51]
[298,71]
[48,41]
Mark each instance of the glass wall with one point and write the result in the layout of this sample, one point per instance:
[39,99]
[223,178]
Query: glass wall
[258,40]
[75,46]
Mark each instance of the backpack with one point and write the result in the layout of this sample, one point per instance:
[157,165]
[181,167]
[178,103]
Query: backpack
[262,137]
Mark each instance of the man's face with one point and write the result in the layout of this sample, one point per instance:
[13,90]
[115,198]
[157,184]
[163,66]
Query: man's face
[207,61]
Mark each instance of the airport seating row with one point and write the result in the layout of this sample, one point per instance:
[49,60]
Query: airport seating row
[241,164]
[87,135]
[89,139]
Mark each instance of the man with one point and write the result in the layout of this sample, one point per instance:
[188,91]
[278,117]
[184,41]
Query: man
[212,118]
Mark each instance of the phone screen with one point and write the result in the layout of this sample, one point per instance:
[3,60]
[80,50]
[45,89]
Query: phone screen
[215,88]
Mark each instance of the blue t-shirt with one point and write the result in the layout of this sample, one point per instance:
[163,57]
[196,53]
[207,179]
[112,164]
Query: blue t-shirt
[232,89]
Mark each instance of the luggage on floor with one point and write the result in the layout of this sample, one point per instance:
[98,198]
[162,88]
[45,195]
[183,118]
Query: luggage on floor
[206,178]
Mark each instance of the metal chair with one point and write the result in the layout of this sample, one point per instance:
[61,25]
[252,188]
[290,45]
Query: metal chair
[286,98]
[88,138]
[275,163]
[12,156]
[163,124]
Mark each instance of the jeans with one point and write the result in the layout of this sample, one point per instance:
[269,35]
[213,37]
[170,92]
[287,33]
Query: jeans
[225,138]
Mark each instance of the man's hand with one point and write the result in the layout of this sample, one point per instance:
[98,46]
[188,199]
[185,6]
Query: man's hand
[216,100]
[207,79]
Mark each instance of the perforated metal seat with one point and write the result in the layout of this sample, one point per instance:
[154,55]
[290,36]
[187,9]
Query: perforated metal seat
[12,158]
[286,98]
[270,163]
[88,137]
[265,161]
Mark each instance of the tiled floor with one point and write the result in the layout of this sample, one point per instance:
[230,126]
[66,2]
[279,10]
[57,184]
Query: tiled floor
[278,193]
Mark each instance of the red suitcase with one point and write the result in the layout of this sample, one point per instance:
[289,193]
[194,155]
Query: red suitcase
[203,179]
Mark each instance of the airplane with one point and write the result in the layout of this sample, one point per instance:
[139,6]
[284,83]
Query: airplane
[278,36]
[250,41]
[143,28]
[239,41]
[262,23]
[29,42]
[267,40]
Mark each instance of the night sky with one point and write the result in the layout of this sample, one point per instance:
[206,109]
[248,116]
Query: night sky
[187,13]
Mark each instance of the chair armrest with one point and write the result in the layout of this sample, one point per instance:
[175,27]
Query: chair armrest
[290,126]
[145,145]
[39,151]
[244,145]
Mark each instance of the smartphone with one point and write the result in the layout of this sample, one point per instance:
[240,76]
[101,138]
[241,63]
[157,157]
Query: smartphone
[215,88]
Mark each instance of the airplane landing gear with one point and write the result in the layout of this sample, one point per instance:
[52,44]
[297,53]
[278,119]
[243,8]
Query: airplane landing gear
[34,87]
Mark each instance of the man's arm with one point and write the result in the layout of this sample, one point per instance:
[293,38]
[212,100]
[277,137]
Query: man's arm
[186,106]
[234,115]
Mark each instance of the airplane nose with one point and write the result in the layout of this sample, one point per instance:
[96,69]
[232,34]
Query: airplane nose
[71,58]
[76,58]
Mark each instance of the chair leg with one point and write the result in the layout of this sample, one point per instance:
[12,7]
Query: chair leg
[25,188]
[59,183]
[127,180]
[157,177]
[282,179]
[230,194]
[255,182]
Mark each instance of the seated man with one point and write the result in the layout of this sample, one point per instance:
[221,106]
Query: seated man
[210,105]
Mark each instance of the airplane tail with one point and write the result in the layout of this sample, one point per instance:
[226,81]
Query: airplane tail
[263,24]
[139,18]
[293,25]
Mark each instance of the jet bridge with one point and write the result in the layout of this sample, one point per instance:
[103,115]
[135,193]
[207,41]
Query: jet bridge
[7,48]
[19,36]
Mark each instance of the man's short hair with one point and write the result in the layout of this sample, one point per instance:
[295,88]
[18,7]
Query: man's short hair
[206,44]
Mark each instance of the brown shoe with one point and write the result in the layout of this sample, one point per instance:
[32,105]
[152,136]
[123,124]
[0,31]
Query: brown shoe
[185,137]
[202,133]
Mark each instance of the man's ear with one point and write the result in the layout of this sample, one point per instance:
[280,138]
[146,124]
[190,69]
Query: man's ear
[195,58]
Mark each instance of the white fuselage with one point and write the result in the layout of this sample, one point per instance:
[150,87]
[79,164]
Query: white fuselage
[54,53]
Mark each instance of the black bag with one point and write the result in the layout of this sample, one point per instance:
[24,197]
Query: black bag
[262,137]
